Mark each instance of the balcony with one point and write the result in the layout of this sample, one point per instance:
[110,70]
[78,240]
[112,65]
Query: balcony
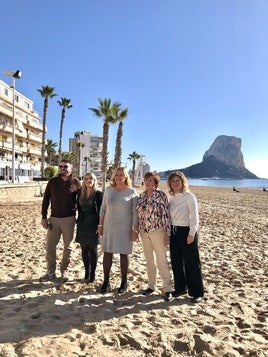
[6,146]
[21,134]
[21,116]
[35,138]
[34,151]
[23,120]
[6,128]
[23,149]
[96,150]
[8,111]
[34,124]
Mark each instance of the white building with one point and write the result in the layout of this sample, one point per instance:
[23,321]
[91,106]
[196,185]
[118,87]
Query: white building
[88,150]
[140,171]
[28,136]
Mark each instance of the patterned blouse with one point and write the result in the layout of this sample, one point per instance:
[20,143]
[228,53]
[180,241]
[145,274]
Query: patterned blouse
[153,212]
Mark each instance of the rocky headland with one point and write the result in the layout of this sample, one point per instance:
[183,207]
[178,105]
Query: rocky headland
[223,159]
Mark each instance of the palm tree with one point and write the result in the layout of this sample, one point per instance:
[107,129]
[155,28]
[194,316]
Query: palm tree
[50,149]
[106,111]
[66,155]
[46,92]
[87,160]
[80,146]
[120,115]
[65,104]
[134,156]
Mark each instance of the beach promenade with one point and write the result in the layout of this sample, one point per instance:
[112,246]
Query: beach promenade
[24,191]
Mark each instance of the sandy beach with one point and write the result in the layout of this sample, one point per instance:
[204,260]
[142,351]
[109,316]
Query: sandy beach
[74,319]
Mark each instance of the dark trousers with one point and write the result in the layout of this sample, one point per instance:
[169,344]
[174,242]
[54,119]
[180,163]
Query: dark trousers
[185,262]
[90,257]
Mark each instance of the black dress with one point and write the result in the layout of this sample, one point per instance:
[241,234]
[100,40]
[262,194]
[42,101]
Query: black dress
[88,219]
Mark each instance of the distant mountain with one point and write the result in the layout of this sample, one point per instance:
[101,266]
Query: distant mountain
[223,159]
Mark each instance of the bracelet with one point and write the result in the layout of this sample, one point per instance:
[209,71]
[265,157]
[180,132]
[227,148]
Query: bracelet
[100,225]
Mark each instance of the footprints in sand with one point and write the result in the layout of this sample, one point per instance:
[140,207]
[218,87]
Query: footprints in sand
[73,319]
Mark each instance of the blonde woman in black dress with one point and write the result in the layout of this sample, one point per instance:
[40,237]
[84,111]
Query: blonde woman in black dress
[88,205]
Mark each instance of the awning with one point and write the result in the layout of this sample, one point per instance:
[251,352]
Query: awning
[4,164]
[25,166]
[20,126]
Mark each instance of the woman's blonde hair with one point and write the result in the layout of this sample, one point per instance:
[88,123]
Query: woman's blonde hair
[83,194]
[183,179]
[128,180]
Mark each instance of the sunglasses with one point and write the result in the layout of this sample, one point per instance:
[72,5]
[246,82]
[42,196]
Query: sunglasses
[63,166]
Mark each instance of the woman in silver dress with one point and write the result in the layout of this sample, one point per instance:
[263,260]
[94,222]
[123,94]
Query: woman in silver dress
[118,215]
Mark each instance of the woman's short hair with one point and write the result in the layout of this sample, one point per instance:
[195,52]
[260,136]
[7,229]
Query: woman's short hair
[128,180]
[154,175]
[183,179]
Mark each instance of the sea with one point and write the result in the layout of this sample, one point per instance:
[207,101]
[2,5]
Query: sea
[245,183]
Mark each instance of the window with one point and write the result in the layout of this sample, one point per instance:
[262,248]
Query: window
[27,105]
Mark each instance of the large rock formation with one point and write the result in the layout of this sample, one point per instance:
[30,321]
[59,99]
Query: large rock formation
[223,159]
[226,149]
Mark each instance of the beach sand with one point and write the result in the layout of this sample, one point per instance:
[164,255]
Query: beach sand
[73,319]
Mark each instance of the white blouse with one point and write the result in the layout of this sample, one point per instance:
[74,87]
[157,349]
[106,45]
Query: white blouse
[184,211]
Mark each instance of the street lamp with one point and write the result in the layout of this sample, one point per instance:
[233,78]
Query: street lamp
[14,75]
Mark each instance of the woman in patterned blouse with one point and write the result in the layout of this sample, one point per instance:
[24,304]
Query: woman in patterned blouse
[154,229]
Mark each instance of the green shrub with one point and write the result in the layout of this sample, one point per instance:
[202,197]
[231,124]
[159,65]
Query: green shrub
[51,171]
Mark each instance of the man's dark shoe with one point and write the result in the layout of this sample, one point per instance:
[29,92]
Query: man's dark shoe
[168,296]
[147,292]
[64,276]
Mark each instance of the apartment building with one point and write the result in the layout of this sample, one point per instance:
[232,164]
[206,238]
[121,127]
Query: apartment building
[28,136]
[88,150]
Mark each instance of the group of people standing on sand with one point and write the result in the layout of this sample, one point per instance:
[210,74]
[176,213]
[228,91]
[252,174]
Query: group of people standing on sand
[119,217]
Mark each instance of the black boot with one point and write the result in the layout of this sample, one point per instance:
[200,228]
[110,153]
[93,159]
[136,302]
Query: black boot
[86,275]
[123,287]
[92,276]
[105,287]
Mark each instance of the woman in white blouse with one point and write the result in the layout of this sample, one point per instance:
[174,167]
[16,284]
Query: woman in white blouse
[184,252]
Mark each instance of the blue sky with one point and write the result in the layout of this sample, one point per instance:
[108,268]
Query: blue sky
[187,70]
